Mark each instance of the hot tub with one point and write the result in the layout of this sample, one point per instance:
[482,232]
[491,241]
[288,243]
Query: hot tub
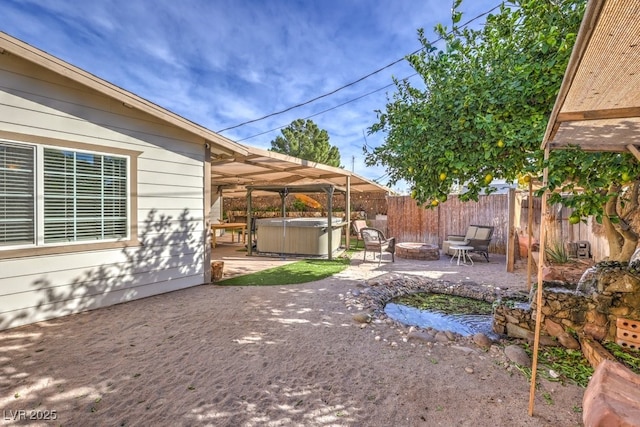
[297,236]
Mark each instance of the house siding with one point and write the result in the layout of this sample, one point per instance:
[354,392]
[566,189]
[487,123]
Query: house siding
[169,200]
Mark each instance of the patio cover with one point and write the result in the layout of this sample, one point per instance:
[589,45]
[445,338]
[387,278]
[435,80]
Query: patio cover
[598,105]
[232,173]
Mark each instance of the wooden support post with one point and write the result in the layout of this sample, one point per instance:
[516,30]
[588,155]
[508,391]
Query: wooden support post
[530,233]
[536,335]
[511,245]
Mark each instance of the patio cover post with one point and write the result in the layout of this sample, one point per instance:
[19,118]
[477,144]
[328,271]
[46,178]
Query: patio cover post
[329,222]
[249,220]
[543,235]
[347,212]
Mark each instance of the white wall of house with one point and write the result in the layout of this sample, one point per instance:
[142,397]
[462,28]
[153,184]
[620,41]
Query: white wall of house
[166,251]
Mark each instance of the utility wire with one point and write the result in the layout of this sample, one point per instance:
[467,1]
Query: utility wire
[354,82]
[328,109]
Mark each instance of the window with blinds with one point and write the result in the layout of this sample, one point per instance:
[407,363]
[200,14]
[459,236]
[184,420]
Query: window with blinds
[85,196]
[17,201]
[82,196]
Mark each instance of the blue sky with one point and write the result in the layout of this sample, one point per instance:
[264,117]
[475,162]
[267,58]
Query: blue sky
[220,63]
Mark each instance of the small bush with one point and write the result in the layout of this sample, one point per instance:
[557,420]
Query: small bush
[556,253]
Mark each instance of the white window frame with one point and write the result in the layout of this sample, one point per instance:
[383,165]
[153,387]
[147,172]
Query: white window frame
[39,211]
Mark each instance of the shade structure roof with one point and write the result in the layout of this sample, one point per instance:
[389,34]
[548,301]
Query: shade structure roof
[598,105]
[232,173]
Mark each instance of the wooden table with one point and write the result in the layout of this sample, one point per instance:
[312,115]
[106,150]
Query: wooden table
[241,226]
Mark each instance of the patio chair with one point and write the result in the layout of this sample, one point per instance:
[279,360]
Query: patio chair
[477,236]
[358,225]
[375,241]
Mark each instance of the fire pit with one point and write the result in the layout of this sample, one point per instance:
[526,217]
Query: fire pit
[412,250]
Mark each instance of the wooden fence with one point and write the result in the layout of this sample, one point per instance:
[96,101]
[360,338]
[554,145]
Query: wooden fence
[409,222]
[560,231]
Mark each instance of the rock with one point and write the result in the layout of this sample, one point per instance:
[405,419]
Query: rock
[362,318]
[554,329]
[568,341]
[516,331]
[546,340]
[450,335]
[517,355]
[482,340]
[442,337]
[548,274]
[465,350]
[421,336]
[623,283]
[595,331]
[468,370]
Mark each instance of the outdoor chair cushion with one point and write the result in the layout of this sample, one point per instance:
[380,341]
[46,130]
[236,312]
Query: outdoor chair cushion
[477,236]
[358,225]
[375,241]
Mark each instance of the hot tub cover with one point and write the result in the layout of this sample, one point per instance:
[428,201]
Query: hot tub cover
[296,222]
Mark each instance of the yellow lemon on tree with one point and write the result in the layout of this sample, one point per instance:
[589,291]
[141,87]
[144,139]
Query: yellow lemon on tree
[414,193]
[500,143]
[435,202]
[443,176]
[625,177]
[526,178]
[574,219]
[410,169]
[488,178]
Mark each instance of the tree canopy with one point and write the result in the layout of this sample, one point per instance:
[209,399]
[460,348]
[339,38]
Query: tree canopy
[303,139]
[483,113]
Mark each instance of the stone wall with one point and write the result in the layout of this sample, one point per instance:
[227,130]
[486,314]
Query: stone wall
[612,294]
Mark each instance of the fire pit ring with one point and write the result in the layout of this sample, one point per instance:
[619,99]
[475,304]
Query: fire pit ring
[415,250]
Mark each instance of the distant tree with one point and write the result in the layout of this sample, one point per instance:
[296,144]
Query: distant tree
[303,139]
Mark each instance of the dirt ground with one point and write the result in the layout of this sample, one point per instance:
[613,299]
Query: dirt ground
[268,356]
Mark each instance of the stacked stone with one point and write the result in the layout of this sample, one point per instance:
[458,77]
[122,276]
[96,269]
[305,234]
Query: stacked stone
[615,294]
[374,295]
[618,295]
[512,321]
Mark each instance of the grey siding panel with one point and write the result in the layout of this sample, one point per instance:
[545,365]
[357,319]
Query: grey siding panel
[169,192]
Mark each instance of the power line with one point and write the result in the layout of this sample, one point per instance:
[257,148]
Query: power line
[352,83]
[328,109]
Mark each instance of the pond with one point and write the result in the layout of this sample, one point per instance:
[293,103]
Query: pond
[464,316]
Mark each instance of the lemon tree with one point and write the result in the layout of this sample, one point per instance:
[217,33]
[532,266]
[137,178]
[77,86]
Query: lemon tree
[488,96]
[480,114]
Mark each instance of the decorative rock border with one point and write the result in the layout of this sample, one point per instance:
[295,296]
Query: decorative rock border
[375,293]
[371,297]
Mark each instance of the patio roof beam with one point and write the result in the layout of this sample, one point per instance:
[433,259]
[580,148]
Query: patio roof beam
[611,113]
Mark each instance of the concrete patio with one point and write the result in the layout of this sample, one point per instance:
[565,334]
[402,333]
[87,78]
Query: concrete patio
[236,262]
